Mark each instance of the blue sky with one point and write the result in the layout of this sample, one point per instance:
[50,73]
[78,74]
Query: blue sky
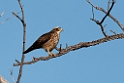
[103,63]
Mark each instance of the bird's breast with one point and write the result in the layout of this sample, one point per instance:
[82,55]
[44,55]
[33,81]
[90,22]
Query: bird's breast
[51,43]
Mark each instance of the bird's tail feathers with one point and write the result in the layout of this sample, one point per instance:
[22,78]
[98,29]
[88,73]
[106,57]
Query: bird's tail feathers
[28,50]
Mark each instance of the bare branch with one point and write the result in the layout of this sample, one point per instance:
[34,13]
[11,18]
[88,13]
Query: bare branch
[73,48]
[9,18]
[11,73]
[107,13]
[113,18]
[91,3]
[109,4]
[92,12]
[22,10]
[102,27]
[100,23]
[2,13]
[17,61]
[103,31]
[17,16]
[24,40]
[113,32]
[60,48]
[6,19]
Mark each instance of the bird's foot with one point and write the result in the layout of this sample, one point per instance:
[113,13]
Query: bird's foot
[52,55]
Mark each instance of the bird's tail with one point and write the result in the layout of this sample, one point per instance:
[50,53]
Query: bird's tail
[28,50]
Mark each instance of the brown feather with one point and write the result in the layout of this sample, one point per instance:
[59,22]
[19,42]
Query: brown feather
[39,42]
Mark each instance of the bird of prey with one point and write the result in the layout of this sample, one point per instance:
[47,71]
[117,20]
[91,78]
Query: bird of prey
[47,41]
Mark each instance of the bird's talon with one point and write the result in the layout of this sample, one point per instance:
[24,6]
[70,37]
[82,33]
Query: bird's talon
[52,55]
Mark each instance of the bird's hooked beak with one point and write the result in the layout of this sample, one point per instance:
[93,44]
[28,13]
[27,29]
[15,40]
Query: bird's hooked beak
[62,30]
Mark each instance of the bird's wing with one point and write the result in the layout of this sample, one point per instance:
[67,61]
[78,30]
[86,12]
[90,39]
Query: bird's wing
[41,40]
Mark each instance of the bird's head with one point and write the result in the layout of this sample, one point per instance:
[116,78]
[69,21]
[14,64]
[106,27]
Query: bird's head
[57,29]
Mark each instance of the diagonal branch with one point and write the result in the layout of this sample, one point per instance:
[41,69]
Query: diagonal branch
[17,16]
[103,19]
[107,13]
[73,48]
[113,18]
[6,20]
[10,17]
[2,13]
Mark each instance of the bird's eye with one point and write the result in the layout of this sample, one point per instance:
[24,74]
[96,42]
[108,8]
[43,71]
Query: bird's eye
[57,29]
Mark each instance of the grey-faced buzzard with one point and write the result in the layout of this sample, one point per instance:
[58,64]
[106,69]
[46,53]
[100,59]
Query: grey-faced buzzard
[47,41]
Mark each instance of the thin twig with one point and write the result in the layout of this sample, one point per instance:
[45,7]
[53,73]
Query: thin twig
[107,13]
[9,18]
[92,12]
[100,23]
[90,3]
[6,19]
[22,10]
[113,32]
[108,5]
[113,18]
[2,13]
[11,73]
[17,16]
[102,27]
[103,31]
[60,48]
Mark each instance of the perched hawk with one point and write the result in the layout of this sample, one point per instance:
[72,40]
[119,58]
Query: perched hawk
[47,41]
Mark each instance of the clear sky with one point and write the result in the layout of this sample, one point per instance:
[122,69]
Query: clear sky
[103,63]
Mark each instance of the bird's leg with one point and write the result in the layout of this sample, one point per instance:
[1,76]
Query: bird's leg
[51,54]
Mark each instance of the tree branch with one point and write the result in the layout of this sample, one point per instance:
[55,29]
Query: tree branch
[107,13]
[22,10]
[113,18]
[11,73]
[17,16]
[2,13]
[73,48]
[100,23]
[24,39]
[6,19]
[102,27]
[9,17]
[108,5]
